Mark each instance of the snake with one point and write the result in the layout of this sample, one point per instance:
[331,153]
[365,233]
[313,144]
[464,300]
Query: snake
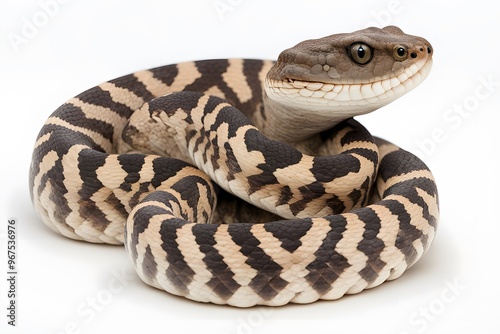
[247,181]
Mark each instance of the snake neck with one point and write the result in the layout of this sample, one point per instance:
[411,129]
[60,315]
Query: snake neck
[293,126]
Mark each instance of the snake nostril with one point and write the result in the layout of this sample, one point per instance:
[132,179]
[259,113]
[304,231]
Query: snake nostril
[413,55]
[421,49]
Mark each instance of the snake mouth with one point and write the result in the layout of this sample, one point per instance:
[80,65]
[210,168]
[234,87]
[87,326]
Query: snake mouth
[357,98]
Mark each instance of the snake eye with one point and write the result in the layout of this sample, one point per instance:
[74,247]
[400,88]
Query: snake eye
[400,53]
[361,53]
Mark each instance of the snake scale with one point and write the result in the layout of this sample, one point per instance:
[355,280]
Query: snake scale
[142,161]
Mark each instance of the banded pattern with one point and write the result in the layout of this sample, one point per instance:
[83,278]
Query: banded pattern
[142,160]
[300,260]
[80,184]
[224,144]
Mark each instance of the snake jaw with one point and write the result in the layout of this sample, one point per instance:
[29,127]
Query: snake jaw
[355,99]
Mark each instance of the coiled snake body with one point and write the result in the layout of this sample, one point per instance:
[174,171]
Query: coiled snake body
[143,159]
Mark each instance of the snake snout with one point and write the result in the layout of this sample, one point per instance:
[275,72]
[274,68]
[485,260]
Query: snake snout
[421,50]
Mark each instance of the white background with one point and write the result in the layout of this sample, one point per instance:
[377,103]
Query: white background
[82,43]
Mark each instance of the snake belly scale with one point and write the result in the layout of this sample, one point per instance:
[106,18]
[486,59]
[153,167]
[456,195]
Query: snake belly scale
[247,182]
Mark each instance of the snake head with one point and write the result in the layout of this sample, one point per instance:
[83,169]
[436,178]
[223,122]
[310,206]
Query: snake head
[350,73]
